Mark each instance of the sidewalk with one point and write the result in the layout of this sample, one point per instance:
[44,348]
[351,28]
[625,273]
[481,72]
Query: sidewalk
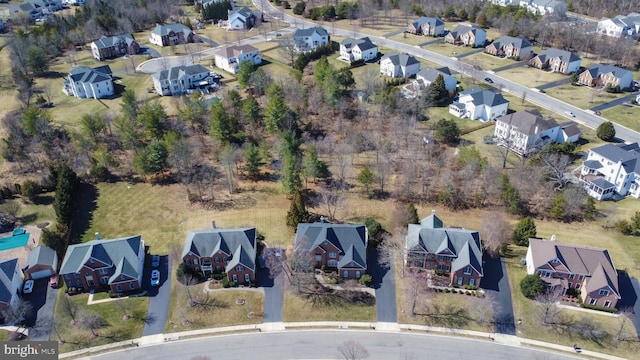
[90,300]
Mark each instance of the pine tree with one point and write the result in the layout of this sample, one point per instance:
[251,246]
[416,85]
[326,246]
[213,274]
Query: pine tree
[253,163]
[365,177]
[63,200]
[412,213]
[297,211]
[223,128]
[524,230]
[557,210]
[250,109]
[312,166]
[276,110]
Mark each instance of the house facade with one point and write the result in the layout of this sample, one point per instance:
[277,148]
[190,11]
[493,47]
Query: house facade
[468,35]
[600,75]
[172,34]
[455,252]
[524,132]
[230,57]
[42,262]
[511,47]
[108,47]
[181,79]
[358,49]
[612,170]
[342,247]
[310,38]
[84,82]
[477,104]
[217,250]
[399,65]
[243,19]
[565,266]
[101,264]
[556,60]
[620,26]
[545,7]
[11,279]
[432,26]
[427,76]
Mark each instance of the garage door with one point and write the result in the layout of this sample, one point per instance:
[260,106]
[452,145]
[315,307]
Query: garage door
[41,274]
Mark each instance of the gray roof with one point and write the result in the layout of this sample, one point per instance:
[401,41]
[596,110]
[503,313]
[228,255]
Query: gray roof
[582,260]
[432,221]
[601,69]
[362,43]
[602,183]
[88,75]
[350,239]
[239,244]
[310,31]
[7,270]
[163,30]
[42,255]
[517,42]
[462,28]
[109,41]
[485,97]
[121,253]
[592,164]
[235,50]
[528,121]
[627,154]
[432,74]
[570,128]
[552,53]
[463,245]
[176,72]
[433,21]
[402,59]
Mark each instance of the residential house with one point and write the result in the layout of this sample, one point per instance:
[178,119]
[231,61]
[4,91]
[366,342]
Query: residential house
[565,266]
[511,47]
[216,250]
[181,79]
[229,58]
[455,252]
[340,247]
[504,2]
[243,19]
[433,26]
[620,26]
[47,7]
[25,9]
[525,132]
[426,76]
[612,170]
[101,264]
[545,7]
[108,47]
[600,75]
[84,82]
[42,262]
[358,49]
[399,65]
[311,38]
[172,34]
[477,104]
[11,279]
[557,60]
[468,35]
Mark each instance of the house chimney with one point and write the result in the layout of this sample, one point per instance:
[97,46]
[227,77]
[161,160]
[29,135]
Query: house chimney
[97,236]
[213,224]
[433,212]
[553,237]
[322,219]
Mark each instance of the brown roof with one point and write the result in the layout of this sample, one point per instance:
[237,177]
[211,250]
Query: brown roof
[527,121]
[235,50]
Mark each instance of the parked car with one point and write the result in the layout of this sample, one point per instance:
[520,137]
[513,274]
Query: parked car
[28,287]
[155,261]
[54,281]
[569,113]
[155,278]
[488,79]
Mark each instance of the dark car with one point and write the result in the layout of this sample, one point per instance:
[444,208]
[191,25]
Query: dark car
[155,261]
[487,79]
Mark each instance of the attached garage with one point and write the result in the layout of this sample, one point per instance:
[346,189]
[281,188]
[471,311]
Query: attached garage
[42,274]
[42,262]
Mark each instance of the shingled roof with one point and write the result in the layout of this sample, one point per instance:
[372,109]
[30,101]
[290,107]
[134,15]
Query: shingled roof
[109,41]
[402,59]
[484,97]
[362,43]
[528,121]
[627,154]
[350,239]
[7,271]
[42,255]
[310,31]
[517,42]
[163,30]
[88,75]
[239,244]
[564,55]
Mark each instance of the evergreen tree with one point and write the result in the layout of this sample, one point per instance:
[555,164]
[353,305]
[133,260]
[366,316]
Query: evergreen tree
[322,71]
[557,210]
[153,117]
[245,70]
[63,204]
[312,166]
[156,157]
[252,159]
[413,214]
[290,154]
[276,110]
[223,127]
[589,210]
[297,211]
[531,286]
[250,109]
[606,131]
[37,60]
[129,105]
[436,92]
[524,230]
[447,131]
[365,178]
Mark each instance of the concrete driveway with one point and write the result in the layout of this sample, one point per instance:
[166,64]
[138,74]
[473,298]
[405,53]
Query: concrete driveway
[496,285]
[43,302]
[383,281]
[272,281]
[158,296]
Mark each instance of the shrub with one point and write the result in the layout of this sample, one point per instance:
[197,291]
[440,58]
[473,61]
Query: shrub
[30,189]
[232,284]
[600,308]
[525,229]
[298,9]
[531,286]
[606,131]
[225,282]
[365,279]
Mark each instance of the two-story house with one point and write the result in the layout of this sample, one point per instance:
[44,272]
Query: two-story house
[468,35]
[172,34]
[243,19]
[620,26]
[101,264]
[545,7]
[455,252]
[399,65]
[432,26]
[229,58]
[180,79]
[565,266]
[217,250]
[524,132]
[108,47]
[556,60]
[11,279]
[342,247]
[358,49]
[511,47]
[612,170]
[477,104]
[427,76]
[310,38]
[84,82]
[606,76]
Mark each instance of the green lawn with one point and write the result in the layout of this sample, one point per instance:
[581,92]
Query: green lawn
[450,50]
[583,97]
[4,335]
[486,61]
[625,116]
[411,39]
[298,309]
[530,77]
[33,214]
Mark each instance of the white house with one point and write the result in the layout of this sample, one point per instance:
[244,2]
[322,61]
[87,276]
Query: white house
[399,65]
[243,19]
[11,279]
[230,57]
[358,49]
[426,76]
[620,26]
[84,82]
[544,7]
[527,131]
[612,170]
[477,104]
[181,79]
[311,38]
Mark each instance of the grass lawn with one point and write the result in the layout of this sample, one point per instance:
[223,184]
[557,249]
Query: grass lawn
[530,77]
[446,49]
[298,309]
[33,214]
[115,326]
[4,335]
[625,116]
[486,61]
[412,39]
[583,97]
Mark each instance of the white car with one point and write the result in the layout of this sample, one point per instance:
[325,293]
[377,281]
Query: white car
[28,287]
[569,113]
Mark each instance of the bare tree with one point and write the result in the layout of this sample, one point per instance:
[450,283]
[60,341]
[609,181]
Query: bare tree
[352,350]
[332,197]
[392,248]
[495,232]
[288,50]
[623,332]
[69,308]
[556,165]
[299,267]
[548,311]
[416,288]
[92,321]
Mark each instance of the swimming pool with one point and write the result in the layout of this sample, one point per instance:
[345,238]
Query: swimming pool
[14,241]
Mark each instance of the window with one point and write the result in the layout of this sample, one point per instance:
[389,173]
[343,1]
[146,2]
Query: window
[132,286]
[447,268]
[607,303]
[247,279]
[119,288]
[593,301]
[345,274]
[467,271]
[357,274]
[239,268]
[333,255]
[217,260]
[332,263]
[439,267]
[460,280]
[103,271]
[440,257]
[235,278]
[572,276]
[603,292]
[472,282]
[578,286]
[195,261]
[187,262]
[581,277]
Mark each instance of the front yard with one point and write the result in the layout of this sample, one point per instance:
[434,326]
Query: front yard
[584,97]
[530,76]
[298,308]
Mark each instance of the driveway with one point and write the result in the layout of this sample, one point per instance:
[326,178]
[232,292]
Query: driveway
[43,302]
[383,281]
[615,102]
[496,285]
[207,41]
[393,33]
[566,80]
[158,296]
[271,279]
[516,64]
[460,56]
[629,290]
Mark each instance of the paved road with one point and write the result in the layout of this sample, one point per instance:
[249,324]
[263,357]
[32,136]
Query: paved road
[615,102]
[314,344]
[383,281]
[43,301]
[158,298]
[496,285]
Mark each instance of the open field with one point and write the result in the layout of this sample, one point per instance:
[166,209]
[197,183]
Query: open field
[583,97]
[297,309]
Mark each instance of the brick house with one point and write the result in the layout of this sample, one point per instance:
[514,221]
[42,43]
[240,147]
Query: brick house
[557,60]
[565,266]
[606,75]
[172,34]
[108,47]
[101,264]
[511,47]
[469,35]
[218,250]
[342,247]
[455,252]
[433,26]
